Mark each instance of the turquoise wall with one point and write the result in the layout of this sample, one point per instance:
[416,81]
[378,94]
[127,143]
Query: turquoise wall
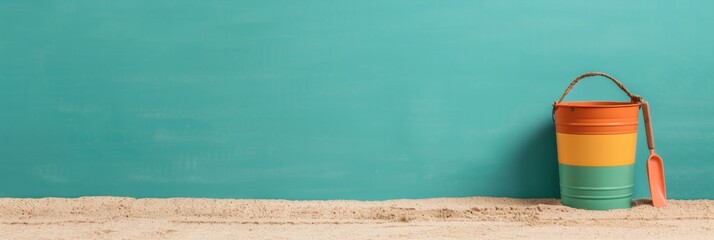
[337,99]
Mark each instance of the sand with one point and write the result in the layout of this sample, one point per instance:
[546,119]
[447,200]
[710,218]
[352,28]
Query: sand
[439,218]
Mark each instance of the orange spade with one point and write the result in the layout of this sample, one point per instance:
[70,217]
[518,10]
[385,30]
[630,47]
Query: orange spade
[655,170]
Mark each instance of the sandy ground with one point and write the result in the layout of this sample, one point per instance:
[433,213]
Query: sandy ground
[440,218]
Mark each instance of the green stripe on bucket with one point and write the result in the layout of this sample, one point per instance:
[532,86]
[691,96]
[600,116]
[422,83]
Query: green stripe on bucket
[596,188]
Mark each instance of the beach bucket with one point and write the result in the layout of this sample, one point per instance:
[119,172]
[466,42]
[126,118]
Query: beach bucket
[596,149]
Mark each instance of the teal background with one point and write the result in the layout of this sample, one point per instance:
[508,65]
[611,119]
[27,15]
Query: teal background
[337,99]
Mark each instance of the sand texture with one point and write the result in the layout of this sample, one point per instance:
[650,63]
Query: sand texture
[439,218]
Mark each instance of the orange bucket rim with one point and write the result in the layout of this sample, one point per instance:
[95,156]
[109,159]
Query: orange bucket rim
[597,104]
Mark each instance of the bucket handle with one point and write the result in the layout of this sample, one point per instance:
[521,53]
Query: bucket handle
[633,97]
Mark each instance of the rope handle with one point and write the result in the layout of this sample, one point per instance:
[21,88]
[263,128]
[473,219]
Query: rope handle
[633,97]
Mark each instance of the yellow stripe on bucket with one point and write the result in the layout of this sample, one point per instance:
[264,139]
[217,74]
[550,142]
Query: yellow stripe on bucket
[596,150]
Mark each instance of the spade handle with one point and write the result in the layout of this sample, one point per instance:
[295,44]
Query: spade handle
[648,124]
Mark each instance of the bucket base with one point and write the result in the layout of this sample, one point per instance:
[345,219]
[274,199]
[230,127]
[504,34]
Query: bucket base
[596,188]
[597,204]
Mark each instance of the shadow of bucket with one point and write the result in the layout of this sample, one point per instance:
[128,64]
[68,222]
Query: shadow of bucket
[596,144]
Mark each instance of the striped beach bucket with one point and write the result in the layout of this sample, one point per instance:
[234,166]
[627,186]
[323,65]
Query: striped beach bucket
[596,149]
